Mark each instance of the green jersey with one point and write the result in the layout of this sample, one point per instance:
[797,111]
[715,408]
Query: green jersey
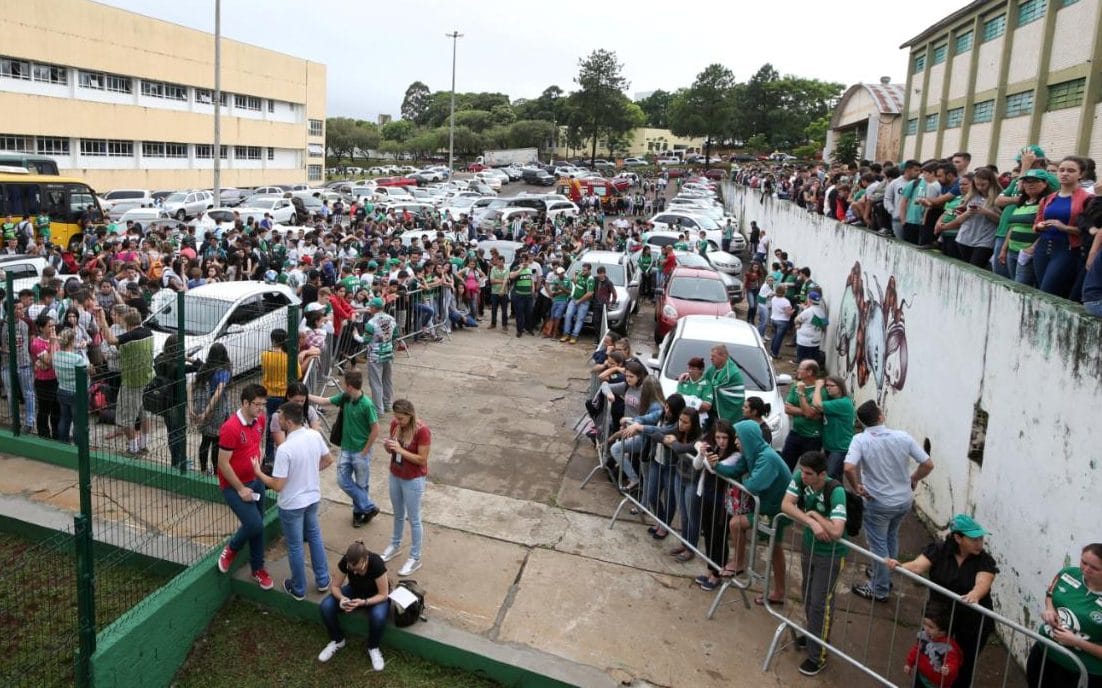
[9,230]
[522,285]
[1080,610]
[702,246]
[833,507]
[358,419]
[696,392]
[948,215]
[681,246]
[351,283]
[838,418]
[499,281]
[1019,225]
[728,390]
[381,329]
[582,286]
[561,289]
[803,426]
[728,232]
[42,225]
[646,260]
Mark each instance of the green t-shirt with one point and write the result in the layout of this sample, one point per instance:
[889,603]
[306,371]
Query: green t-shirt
[499,274]
[701,389]
[562,289]
[522,285]
[947,216]
[802,426]
[838,418]
[359,419]
[136,362]
[582,286]
[681,246]
[646,260]
[817,502]
[1081,611]
[913,191]
[1019,225]
[351,283]
[728,232]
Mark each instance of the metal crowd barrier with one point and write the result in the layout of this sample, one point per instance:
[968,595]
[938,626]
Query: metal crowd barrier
[855,623]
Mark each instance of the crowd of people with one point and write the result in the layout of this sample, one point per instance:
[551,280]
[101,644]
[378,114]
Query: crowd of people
[1034,224]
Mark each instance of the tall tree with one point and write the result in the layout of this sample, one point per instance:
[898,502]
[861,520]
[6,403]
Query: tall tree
[657,106]
[398,130]
[707,108]
[600,100]
[416,101]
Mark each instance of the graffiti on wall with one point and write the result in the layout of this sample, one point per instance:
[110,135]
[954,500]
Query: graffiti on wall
[872,334]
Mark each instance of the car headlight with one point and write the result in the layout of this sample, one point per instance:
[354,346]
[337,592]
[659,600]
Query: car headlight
[669,312]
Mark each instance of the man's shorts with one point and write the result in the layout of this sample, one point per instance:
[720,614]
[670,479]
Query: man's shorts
[129,408]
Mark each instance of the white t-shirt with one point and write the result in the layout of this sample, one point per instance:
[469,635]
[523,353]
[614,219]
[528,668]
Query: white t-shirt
[778,306]
[885,456]
[807,333]
[297,460]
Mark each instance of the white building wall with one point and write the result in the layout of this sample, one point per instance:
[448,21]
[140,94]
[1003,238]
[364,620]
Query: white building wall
[914,91]
[958,75]
[971,338]
[1059,131]
[937,81]
[1024,56]
[987,69]
[1012,138]
[929,144]
[979,142]
[950,142]
[909,147]
[1071,45]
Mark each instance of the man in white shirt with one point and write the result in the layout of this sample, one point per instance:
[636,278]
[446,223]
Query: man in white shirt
[296,477]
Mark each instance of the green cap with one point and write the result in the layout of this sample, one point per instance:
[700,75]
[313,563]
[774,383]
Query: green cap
[372,264]
[1034,148]
[394,261]
[376,303]
[1044,175]
[966,526]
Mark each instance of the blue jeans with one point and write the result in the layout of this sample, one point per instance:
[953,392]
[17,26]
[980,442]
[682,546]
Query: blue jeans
[836,464]
[251,515]
[271,405]
[65,423]
[999,268]
[1025,274]
[353,476]
[1056,265]
[690,508]
[1094,308]
[661,498]
[763,318]
[882,534]
[300,524]
[522,311]
[427,313]
[575,314]
[377,615]
[558,309]
[780,327]
[26,385]
[405,499]
[632,446]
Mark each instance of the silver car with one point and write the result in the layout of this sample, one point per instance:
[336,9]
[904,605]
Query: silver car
[624,273]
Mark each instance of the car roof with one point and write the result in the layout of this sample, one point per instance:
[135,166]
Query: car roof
[232,291]
[717,329]
[605,257]
[700,273]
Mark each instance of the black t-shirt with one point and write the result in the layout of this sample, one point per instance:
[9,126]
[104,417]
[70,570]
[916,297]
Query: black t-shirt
[363,585]
[959,579]
[309,294]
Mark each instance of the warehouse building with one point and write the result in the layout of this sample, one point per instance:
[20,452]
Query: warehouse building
[127,101]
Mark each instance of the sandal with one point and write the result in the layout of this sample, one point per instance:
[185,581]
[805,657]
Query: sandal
[729,573]
[680,549]
[685,556]
[655,533]
[760,601]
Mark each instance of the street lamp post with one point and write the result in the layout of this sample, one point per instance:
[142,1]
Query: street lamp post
[455,36]
[217,186]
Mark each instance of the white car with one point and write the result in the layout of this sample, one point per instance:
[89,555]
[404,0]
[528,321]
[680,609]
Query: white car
[122,200]
[564,208]
[499,173]
[276,190]
[695,335]
[720,260]
[567,171]
[217,220]
[239,315]
[457,206]
[631,162]
[392,193]
[142,216]
[489,179]
[683,220]
[281,209]
[185,204]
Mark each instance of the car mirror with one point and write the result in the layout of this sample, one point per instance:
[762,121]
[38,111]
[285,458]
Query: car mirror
[634,282]
[653,363]
[784,380]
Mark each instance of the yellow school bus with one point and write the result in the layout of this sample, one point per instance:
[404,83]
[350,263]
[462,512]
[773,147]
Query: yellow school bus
[64,199]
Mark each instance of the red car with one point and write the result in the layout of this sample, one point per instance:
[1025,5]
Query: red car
[689,291]
[674,172]
[475,167]
[395,181]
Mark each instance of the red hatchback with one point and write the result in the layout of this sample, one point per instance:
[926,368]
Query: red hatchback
[689,291]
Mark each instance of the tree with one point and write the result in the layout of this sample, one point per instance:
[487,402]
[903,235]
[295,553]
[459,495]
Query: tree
[846,149]
[476,120]
[600,100]
[398,130]
[656,106]
[344,136]
[707,108]
[528,133]
[416,101]
[781,108]
[549,106]
[503,114]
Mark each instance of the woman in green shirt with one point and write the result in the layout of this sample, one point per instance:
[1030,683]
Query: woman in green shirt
[1018,218]
[949,223]
[839,416]
[1071,618]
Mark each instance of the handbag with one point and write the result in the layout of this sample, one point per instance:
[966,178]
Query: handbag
[336,434]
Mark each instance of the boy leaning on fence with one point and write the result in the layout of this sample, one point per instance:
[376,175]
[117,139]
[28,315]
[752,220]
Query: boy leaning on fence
[818,503]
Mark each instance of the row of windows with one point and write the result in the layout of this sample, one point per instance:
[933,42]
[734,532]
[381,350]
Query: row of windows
[39,145]
[57,145]
[13,68]
[1060,96]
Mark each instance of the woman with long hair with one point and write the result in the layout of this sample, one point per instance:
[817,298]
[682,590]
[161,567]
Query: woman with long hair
[979,219]
[210,404]
[753,408]
[642,399]
[660,496]
[680,444]
[1056,257]
[409,443]
[1033,186]
[839,415]
[715,499]
[298,393]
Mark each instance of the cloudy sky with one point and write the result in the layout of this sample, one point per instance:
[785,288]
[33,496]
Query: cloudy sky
[374,50]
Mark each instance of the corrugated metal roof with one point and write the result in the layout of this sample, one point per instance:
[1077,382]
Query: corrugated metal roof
[887,97]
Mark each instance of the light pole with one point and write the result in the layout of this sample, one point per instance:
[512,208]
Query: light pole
[217,186]
[455,36]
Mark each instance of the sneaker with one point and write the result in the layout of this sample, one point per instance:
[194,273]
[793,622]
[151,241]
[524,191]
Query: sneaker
[409,567]
[390,552]
[706,583]
[810,667]
[263,579]
[865,590]
[330,650]
[573,340]
[358,519]
[287,586]
[225,560]
[564,338]
[376,656]
[324,588]
[370,515]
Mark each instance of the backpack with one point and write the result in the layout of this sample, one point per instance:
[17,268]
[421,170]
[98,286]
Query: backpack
[412,613]
[855,507]
[158,395]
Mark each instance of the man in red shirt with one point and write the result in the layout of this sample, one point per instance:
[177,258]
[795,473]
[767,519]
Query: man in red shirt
[239,442]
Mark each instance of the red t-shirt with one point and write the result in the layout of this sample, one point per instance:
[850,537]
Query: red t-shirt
[404,468]
[244,441]
[38,347]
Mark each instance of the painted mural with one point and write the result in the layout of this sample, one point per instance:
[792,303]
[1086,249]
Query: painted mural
[872,334]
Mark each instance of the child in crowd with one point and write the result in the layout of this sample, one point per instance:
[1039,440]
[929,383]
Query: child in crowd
[936,655]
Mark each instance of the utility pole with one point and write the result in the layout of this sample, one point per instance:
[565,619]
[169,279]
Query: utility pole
[217,188]
[455,36]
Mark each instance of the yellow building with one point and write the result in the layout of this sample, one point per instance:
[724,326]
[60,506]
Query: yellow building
[126,101]
[640,142]
[1000,74]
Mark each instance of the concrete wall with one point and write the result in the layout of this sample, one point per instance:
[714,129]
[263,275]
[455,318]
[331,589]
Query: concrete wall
[939,338]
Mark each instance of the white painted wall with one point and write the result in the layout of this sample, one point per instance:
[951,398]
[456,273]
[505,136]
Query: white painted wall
[1032,362]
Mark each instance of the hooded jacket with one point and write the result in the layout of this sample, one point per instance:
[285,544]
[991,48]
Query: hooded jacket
[761,470]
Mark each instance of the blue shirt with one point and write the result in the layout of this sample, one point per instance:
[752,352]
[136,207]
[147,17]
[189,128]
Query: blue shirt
[1059,208]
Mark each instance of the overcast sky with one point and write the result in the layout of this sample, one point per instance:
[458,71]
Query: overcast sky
[374,50]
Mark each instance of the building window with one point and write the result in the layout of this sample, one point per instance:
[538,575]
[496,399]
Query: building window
[91,80]
[271,153]
[153,149]
[1019,104]
[317,127]
[983,112]
[912,127]
[313,173]
[224,152]
[239,152]
[271,105]
[153,89]
[15,69]
[51,74]
[15,144]
[315,150]
[920,63]
[246,152]
[175,150]
[940,53]
[1067,94]
[246,102]
[176,92]
[120,149]
[51,145]
[1065,3]
[253,153]
[204,151]
[93,147]
[993,27]
[930,123]
[963,43]
[119,84]
[204,96]
[954,118]
[1031,11]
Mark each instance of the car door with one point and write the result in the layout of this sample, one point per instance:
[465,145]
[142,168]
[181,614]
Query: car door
[242,334]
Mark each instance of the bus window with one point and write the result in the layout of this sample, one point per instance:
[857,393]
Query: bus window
[35,164]
[80,199]
[21,199]
[55,200]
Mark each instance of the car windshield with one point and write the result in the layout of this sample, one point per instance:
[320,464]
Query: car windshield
[201,315]
[693,260]
[116,195]
[175,198]
[220,215]
[756,371]
[615,271]
[697,289]
[257,202]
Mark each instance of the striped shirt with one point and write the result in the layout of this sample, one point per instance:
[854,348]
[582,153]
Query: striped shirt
[381,327]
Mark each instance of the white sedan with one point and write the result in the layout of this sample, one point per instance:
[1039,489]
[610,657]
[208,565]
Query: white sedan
[279,208]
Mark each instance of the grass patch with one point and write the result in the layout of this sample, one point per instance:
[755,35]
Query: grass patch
[38,607]
[283,652]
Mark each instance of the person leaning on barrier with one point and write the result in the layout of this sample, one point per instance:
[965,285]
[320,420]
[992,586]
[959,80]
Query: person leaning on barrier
[642,397]
[715,501]
[960,564]
[817,502]
[1073,618]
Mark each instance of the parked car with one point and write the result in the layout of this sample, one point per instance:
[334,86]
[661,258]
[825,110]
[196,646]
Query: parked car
[392,193]
[732,284]
[187,204]
[695,335]
[537,177]
[633,162]
[624,273]
[565,208]
[239,315]
[483,188]
[141,217]
[426,176]
[217,220]
[475,167]
[395,181]
[689,291]
[720,260]
[231,197]
[507,249]
[278,207]
[488,178]
[277,189]
[505,216]
[123,200]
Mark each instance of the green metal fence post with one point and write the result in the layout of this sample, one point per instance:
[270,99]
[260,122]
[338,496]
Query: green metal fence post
[13,360]
[82,522]
[179,427]
[292,344]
